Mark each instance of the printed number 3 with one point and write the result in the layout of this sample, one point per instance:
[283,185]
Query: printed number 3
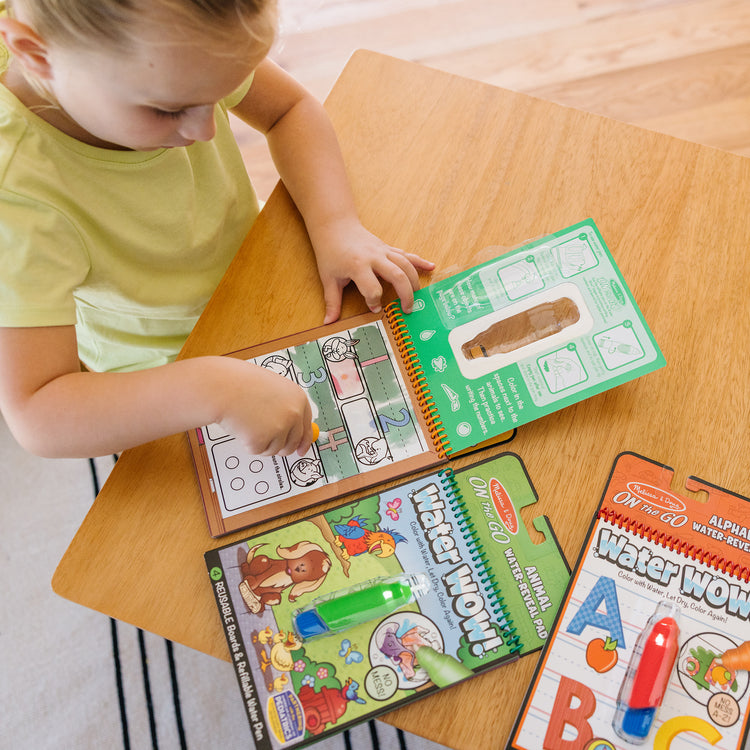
[319,376]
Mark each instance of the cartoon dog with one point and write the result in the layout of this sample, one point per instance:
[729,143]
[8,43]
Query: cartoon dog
[301,568]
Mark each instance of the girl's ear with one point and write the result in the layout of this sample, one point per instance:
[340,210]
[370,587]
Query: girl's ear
[28,48]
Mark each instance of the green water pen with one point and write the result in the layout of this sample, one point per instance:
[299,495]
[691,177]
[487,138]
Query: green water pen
[442,669]
[369,600]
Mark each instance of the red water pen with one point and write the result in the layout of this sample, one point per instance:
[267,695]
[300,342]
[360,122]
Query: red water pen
[647,677]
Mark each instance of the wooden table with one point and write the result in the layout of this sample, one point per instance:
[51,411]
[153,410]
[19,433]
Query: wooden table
[445,167]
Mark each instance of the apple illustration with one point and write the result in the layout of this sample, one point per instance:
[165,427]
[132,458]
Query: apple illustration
[601,655]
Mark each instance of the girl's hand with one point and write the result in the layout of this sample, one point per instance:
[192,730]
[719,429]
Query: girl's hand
[306,152]
[267,412]
[50,404]
[347,252]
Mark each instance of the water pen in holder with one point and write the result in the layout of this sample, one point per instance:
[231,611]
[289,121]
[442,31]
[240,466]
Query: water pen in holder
[343,609]
[647,676]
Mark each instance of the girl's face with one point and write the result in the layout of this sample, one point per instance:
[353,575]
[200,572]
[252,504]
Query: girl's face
[159,94]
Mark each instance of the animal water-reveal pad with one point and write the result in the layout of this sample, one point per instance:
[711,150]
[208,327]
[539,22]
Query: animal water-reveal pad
[659,594]
[536,329]
[489,594]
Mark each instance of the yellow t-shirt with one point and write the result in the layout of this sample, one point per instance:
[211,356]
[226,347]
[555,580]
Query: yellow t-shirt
[126,245]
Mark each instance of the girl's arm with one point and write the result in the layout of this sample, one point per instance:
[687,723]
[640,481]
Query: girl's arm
[55,410]
[307,155]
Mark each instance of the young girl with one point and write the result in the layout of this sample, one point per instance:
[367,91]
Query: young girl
[124,198]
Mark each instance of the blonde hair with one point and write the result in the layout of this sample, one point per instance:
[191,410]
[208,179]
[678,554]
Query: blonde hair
[90,23]
[85,23]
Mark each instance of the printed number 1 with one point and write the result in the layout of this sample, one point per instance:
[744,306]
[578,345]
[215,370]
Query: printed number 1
[387,422]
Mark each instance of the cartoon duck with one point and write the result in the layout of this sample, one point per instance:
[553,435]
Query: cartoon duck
[278,684]
[355,538]
[280,656]
[264,636]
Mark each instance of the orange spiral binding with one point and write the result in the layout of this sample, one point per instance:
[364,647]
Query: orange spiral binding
[674,544]
[426,403]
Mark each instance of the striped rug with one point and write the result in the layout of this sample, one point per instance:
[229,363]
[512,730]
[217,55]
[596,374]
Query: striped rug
[74,679]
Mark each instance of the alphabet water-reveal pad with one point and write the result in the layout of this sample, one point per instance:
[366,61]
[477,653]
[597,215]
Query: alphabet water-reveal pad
[649,549]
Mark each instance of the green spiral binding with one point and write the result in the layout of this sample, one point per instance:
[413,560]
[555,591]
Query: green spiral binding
[479,558]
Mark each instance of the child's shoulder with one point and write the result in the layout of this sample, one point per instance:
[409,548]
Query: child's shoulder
[14,127]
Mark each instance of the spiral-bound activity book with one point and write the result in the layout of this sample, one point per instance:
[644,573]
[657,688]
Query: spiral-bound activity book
[491,596]
[484,351]
[651,552]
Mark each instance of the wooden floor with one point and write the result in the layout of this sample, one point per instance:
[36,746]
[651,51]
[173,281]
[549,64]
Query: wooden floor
[677,66]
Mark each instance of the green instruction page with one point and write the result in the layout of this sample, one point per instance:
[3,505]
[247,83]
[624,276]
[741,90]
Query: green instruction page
[490,593]
[532,331]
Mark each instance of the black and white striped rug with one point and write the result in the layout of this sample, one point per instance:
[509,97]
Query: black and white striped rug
[74,679]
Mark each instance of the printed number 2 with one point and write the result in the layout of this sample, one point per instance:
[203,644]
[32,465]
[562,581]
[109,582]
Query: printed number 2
[386,422]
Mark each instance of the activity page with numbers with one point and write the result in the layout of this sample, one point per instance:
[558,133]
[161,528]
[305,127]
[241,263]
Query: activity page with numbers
[360,403]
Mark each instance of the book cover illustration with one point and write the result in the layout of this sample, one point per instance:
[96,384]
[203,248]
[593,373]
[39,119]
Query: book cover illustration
[534,330]
[649,550]
[492,595]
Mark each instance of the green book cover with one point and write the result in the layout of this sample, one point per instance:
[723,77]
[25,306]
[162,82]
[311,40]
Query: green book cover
[525,334]
[491,595]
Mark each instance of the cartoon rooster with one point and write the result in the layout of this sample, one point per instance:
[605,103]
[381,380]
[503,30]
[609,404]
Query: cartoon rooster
[355,538]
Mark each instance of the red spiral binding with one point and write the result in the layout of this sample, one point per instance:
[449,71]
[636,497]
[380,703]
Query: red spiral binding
[675,544]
